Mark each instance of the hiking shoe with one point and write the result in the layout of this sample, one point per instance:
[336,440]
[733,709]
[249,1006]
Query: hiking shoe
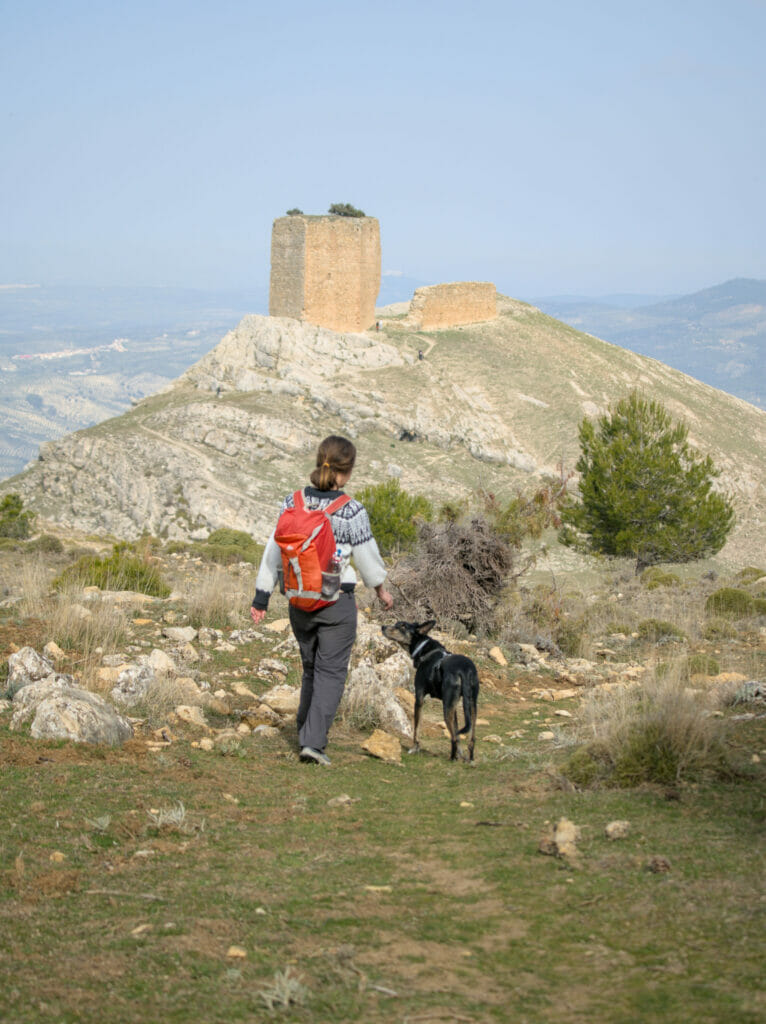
[309,754]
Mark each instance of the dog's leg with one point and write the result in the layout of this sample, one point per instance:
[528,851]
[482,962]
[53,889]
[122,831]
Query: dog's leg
[472,734]
[450,717]
[415,748]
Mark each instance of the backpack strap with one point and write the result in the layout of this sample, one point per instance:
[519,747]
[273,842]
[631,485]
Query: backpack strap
[338,503]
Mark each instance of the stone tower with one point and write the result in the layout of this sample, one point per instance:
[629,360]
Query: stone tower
[326,270]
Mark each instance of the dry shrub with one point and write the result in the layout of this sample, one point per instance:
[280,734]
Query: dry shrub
[88,630]
[660,732]
[35,588]
[218,600]
[456,573]
[83,628]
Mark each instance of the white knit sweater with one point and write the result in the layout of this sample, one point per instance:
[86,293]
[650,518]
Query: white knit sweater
[353,535]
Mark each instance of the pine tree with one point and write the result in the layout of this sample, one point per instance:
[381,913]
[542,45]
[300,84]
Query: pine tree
[645,493]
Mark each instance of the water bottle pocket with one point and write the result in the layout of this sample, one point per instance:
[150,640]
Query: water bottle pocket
[330,585]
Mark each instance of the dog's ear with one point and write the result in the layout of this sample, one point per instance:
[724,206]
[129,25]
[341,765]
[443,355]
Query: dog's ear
[427,626]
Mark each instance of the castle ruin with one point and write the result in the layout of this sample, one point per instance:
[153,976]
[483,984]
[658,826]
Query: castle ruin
[452,305]
[325,270]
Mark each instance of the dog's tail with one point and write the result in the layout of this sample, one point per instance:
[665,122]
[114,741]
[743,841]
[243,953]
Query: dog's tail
[468,709]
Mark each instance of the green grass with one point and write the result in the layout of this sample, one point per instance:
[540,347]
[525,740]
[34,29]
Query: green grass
[475,923]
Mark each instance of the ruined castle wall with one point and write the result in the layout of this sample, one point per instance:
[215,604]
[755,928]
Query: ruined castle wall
[326,270]
[288,246]
[450,305]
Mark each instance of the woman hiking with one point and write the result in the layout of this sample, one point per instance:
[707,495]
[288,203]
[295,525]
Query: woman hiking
[326,635]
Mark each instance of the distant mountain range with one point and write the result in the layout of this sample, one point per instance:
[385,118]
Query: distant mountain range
[717,335]
[72,357]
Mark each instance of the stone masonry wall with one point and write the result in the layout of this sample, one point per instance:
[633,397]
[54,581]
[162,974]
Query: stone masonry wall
[450,305]
[326,270]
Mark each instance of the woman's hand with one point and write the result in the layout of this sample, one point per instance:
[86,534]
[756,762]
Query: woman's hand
[257,615]
[385,598]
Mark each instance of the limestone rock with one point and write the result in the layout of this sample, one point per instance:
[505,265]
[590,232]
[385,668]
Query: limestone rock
[180,634]
[242,690]
[26,700]
[262,714]
[282,699]
[218,705]
[384,746]
[342,800]
[566,836]
[269,666]
[266,731]
[78,715]
[187,691]
[188,654]
[133,684]
[53,652]
[407,699]
[277,626]
[107,675]
[27,666]
[497,655]
[191,714]
[658,864]
[161,663]
[371,692]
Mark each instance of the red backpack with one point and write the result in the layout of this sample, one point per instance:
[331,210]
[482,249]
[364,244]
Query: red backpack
[307,544]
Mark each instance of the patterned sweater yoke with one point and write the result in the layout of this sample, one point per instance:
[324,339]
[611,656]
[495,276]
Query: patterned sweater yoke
[353,535]
[350,523]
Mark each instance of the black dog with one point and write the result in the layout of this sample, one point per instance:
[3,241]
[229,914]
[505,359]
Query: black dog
[439,674]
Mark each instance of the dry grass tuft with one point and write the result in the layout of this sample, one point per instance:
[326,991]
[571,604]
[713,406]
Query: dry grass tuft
[661,731]
[219,600]
[91,629]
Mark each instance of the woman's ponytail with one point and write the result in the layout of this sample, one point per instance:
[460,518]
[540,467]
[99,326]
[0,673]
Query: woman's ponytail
[335,456]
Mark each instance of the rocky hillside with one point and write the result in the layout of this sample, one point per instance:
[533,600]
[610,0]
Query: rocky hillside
[494,405]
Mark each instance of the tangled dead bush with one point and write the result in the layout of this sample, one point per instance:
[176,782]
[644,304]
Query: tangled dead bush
[461,565]
[456,572]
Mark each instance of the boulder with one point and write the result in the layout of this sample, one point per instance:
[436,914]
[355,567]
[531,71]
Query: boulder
[74,714]
[27,666]
[133,684]
[26,699]
[371,693]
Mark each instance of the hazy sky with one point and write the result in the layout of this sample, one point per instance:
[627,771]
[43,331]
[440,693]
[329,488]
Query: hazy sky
[580,147]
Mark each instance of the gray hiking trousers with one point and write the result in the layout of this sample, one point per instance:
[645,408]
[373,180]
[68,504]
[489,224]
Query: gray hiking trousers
[325,638]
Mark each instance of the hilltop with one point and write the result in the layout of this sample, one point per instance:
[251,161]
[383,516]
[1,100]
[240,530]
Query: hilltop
[494,405]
